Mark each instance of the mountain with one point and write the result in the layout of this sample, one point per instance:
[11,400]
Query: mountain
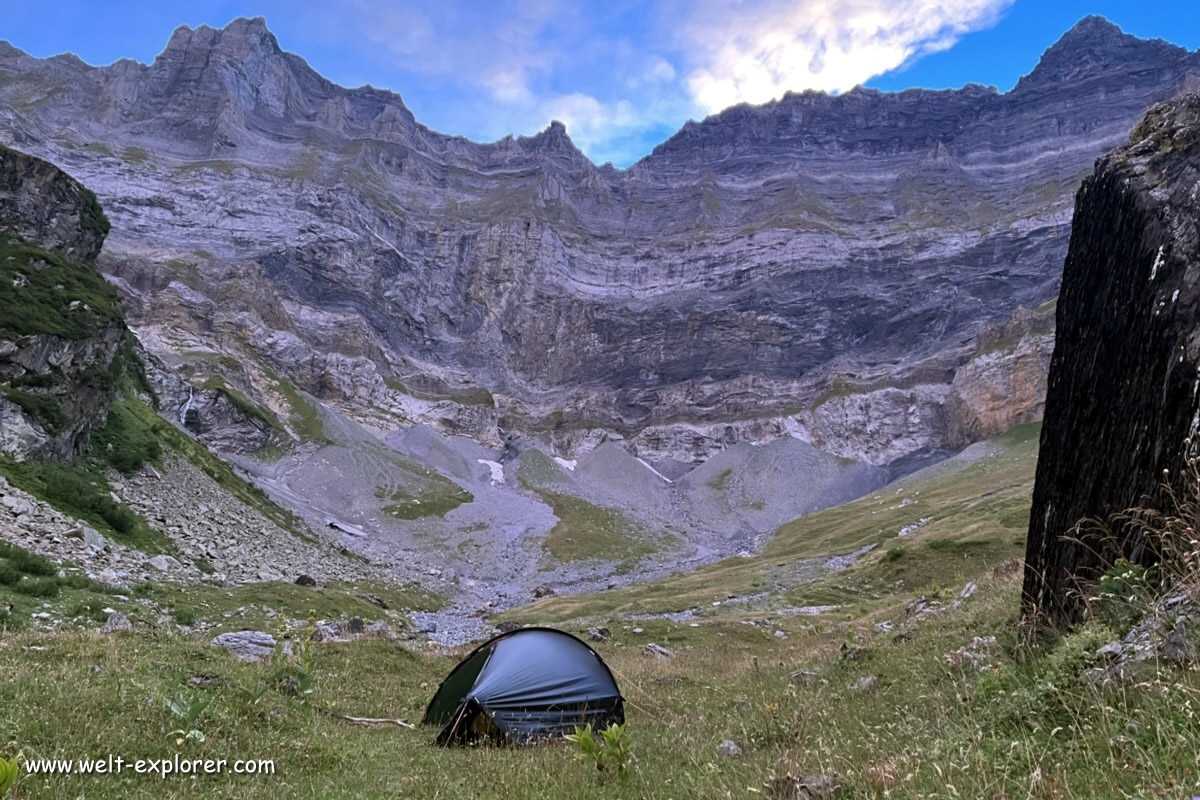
[868,272]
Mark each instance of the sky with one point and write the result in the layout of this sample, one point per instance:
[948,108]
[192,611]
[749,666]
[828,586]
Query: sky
[622,75]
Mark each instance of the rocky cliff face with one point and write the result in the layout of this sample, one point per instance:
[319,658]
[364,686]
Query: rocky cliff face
[61,328]
[1122,405]
[821,267]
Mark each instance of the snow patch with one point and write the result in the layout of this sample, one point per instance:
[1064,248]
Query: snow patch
[568,463]
[495,467]
[1158,261]
[656,472]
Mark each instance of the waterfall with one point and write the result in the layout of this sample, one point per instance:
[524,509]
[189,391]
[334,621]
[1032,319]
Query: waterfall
[186,408]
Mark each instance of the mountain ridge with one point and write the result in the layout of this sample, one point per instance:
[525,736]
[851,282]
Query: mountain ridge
[743,271]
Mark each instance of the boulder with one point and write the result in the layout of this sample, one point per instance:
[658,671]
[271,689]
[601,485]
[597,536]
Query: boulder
[653,649]
[382,629]
[163,563]
[600,634]
[247,645]
[116,623]
[327,632]
[305,580]
[91,537]
[729,748]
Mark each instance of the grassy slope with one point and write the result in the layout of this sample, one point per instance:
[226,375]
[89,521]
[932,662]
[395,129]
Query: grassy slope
[978,514]
[925,728]
[1029,727]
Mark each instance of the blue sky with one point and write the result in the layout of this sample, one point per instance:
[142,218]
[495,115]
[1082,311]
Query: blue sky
[623,75]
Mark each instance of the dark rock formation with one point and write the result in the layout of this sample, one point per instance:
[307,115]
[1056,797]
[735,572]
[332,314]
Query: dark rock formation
[827,260]
[62,333]
[1122,404]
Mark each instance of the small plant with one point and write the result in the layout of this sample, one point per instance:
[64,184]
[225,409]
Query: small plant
[295,663]
[8,773]
[188,709]
[611,752]
[255,692]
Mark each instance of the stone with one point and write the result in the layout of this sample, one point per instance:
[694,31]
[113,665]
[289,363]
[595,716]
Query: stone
[356,626]
[865,683]
[729,749]
[116,623]
[109,576]
[381,629]
[780,635]
[803,787]
[305,580]
[374,600]
[804,677]
[163,563]
[91,537]
[16,505]
[599,634]
[1110,650]
[543,591]
[507,626]
[327,632]
[247,645]
[653,649]
[269,574]
[1177,647]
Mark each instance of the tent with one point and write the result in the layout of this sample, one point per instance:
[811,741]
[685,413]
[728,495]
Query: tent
[522,685]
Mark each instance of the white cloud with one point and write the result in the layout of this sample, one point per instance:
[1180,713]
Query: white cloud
[754,51]
[620,85]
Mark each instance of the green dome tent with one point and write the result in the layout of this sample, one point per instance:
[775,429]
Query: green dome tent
[526,684]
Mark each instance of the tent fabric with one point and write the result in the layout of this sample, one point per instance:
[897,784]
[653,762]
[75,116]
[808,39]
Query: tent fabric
[529,683]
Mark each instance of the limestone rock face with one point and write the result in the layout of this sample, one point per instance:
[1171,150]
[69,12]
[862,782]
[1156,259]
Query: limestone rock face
[752,263]
[1122,404]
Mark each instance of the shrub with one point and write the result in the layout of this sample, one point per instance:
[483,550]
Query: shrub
[9,575]
[184,616]
[89,609]
[44,408]
[39,587]
[125,442]
[24,561]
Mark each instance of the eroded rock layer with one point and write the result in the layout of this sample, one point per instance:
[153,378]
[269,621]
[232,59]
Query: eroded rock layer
[826,263]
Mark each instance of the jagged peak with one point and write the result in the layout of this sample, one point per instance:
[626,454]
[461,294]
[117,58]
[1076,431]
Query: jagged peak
[242,34]
[1093,45]
[554,139]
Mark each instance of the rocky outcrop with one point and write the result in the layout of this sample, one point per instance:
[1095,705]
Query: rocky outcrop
[1122,408]
[42,205]
[62,334]
[743,269]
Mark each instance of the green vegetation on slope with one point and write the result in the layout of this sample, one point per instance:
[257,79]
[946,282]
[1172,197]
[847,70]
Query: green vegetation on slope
[244,404]
[305,418]
[38,288]
[985,501]
[434,498]
[586,531]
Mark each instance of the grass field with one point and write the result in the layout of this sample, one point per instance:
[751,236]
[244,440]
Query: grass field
[1025,726]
